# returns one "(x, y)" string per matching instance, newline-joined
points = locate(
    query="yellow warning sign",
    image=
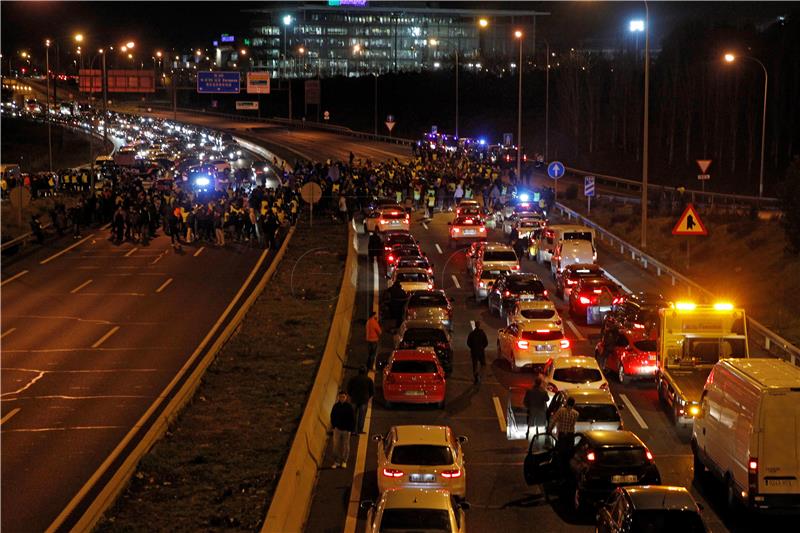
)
(689, 223)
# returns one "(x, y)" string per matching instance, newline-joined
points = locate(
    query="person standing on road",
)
(397, 301)
(343, 422)
(373, 337)
(361, 390)
(564, 420)
(477, 343)
(536, 402)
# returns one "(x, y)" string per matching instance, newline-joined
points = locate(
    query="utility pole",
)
(645, 126)
(376, 105)
(457, 91)
(547, 104)
(105, 103)
(49, 131)
(519, 108)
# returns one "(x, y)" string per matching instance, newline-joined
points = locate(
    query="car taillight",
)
(430, 286)
(604, 386)
(638, 326)
(450, 474)
(648, 455)
(584, 300)
(481, 285)
(392, 472)
(752, 477)
(597, 291)
(564, 344)
(456, 230)
(514, 267)
(430, 271)
(507, 294)
(752, 465)
(407, 216)
(383, 221)
(571, 282)
(482, 229)
(545, 292)
(390, 258)
(552, 388)
(522, 345)
(591, 457)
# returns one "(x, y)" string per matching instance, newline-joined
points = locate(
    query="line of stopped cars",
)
(677, 346)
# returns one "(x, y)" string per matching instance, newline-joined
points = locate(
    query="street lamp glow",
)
(356, 48)
(130, 56)
(158, 54)
(518, 34)
(301, 50)
(124, 48)
(636, 25)
(730, 58)
(198, 53)
(47, 43)
(483, 23)
(79, 37)
(433, 42)
(244, 52)
(130, 44)
(287, 20)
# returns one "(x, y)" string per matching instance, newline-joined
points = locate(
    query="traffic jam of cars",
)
(693, 356)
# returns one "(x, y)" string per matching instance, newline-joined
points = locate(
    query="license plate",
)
(422, 478)
(544, 348)
(780, 482)
(414, 393)
(469, 232)
(651, 358)
(624, 479)
(603, 309)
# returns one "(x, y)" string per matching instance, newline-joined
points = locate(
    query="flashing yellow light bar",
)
(685, 306)
(694, 410)
(723, 306)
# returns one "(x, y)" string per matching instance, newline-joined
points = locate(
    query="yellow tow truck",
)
(692, 338)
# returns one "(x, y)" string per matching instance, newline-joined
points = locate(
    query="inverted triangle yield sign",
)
(703, 164)
(689, 223)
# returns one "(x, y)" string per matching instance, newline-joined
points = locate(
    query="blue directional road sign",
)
(588, 186)
(555, 169)
(218, 82)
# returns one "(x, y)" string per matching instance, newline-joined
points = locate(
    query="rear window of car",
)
(465, 221)
(646, 520)
(428, 300)
(577, 236)
(577, 374)
(492, 274)
(549, 335)
(538, 314)
(420, 336)
(525, 285)
(597, 412)
(412, 263)
(393, 215)
(412, 276)
(426, 520)
(422, 454)
(645, 345)
(399, 238)
(414, 367)
(500, 256)
(619, 456)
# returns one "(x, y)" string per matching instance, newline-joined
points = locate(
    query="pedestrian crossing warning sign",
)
(689, 223)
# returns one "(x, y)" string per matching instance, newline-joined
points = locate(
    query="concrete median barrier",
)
(290, 504)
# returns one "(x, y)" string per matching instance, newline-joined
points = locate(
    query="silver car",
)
(432, 306)
(596, 409)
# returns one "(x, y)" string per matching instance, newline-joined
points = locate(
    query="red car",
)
(413, 376)
(592, 298)
(632, 355)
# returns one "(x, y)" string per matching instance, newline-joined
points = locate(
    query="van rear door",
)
(779, 446)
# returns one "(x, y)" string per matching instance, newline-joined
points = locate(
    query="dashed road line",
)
(131, 252)
(575, 330)
(455, 280)
(164, 285)
(65, 250)
(633, 411)
(501, 418)
(81, 286)
(105, 337)
(9, 415)
(15, 276)
(424, 225)
(199, 251)
(8, 331)
(439, 248)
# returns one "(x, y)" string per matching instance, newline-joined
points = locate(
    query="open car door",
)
(541, 464)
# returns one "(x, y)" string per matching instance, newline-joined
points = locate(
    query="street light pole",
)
(547, 104)
(456, 92)
(105, 102)
(518, 35)
(49, 132)
(376, 104)
(645, 126)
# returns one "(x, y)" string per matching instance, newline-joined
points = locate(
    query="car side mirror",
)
(377, 438)
(462, 439)
(621, 406)
(366, 505)
(449, 223)
(464, 505)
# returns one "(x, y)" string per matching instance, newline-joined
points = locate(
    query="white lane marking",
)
(455, 280)
(157, 259)
(8, 331)
(439, 248)
(79, 287)
(65, 250)
(9, 415)
(39, 375)
(351, 521)
(15, 276)
(164, 285)
(199, 251)
(633, 411)
(501, 418)
(424, 225)
(105, 337)
(575, 330)
(131, 252)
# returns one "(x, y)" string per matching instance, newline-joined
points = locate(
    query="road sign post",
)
(588, 192)
(311, 192)
(390, 123)
(555, 170)
(689, 224)
(703, 165)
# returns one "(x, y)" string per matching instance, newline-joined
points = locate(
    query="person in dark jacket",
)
(397, 301)
(375, 246)
(343, 422)
(361, 389)
(477, 343)
(536, 399)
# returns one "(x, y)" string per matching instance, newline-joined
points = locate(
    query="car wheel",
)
(731, 499)
(440, 405)
(623, 378)
(699, 467)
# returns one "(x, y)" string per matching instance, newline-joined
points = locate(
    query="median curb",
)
(291, 501)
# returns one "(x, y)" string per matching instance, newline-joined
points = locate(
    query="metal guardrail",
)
(762, 336)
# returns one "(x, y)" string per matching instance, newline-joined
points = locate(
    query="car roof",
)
(422, 434)
(410, 270)
(575, 361)
(406, 498)
(497, 246)
(536, 304)
(423, 323)
(420, 354)
(589, 395)
(613, 438)
(661, 497)
(533, 325)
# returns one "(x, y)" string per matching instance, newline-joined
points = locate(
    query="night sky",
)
(164, 25)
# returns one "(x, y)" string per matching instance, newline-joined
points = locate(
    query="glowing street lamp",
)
(483, 23)
(636, 26)
(78, 37)
(730, 58)
(130, 44)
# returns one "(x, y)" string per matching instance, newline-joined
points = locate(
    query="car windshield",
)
(433, 299)
(622, 456)
(525, 285)
(424, 336)
(393, 215)
(414, 367)
(415, 521)
(499, 256)
(538, 314)
(597, 412)
(412, 276)
(548, 335)
(577, 374)
(645, 345)
(651, 520)
(422, 454)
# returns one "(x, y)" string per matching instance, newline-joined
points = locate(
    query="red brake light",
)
(597, 291)
(468, 221)
(430, 285)
(383, 221)
(456, 230)
(390, 258)
(571, 282)
(392, 472)
(564, 344)
(584, 300)
(514, 267)
(752, 464)
(591, 457)
(649, 455)
(407, 216)
(545, 292)
(449, 474)
(522, 345)
(507, 294)
(482, 229)
(638, 326)
(430, 271)
(481, 285)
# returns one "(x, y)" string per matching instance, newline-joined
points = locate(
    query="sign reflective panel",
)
(258, 82)
(218, 82)
(689, 223)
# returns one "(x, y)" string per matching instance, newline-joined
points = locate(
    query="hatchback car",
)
(427, 333)
(572, 274)
(650, 508)
(541, 312)
(592, 298)
(465, 229)
(628, 354)
(393, 220)
(596, 409)
(396, 252)
(416, 510)
(413, 376)
(412, 279)
(525, 345)
(575, 373)
(510, 288)
(472, 255)
(429, 457)
(433, 305)
(483, 281)
(496, 256)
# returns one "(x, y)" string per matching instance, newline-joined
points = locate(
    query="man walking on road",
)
(343, 422)
(373, 337)
(361, 389)
(375, 246)
(564, 420)
(477, 343)
(536, 402)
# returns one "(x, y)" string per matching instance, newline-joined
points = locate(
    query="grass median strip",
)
(218, 465)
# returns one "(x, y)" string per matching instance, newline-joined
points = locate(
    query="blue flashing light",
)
(482, 141)
(524, 197)
(202, 181)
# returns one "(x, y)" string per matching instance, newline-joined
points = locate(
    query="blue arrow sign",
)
(218, 82)
(555, 169)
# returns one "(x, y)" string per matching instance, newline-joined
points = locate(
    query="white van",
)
(552, 235)
(747, 432)
(570, 253)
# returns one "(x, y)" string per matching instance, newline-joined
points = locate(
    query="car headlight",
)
(202, 181)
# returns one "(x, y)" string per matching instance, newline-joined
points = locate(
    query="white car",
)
(542, 313)
(576, 372)
(373, 218)
(416, 510)
(412, 279)
(524, 344)
(393, 220)
(572, 253)
(422, 456)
